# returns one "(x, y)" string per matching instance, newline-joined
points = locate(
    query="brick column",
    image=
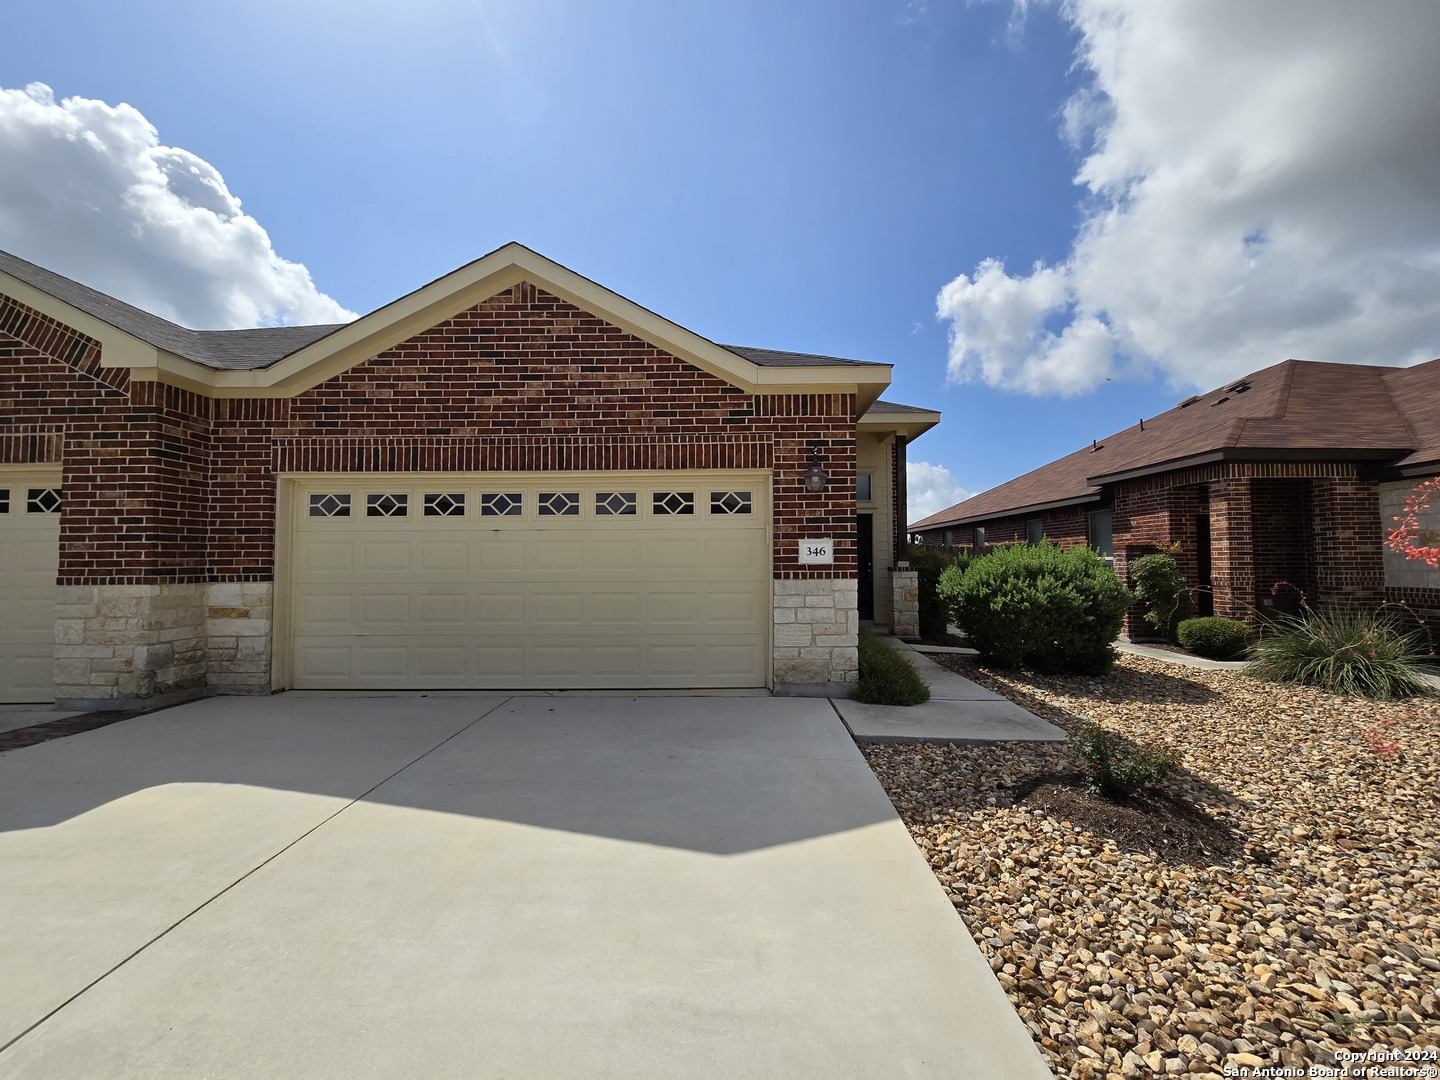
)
(1349, 564)
(1232, 566)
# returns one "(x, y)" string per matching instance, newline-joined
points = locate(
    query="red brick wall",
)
(1349, 568)
(168, 486)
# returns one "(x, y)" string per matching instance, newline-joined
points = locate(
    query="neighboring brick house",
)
(1292, 474)
(510, 478)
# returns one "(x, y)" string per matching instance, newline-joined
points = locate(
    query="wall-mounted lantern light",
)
(815, 476)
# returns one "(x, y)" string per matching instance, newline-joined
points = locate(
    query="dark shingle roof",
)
(258, 348)
(895, 406)
(1296, 409)
(772, 358)
(214, 348)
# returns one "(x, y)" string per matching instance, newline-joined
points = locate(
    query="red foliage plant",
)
(1406, 538)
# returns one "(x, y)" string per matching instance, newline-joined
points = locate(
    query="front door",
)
(1204, 598)
(865, 559)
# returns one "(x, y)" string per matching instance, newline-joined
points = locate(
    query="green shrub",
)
(1213, 636)
(1345, 651)
(929, 564)
(1160, 586)
(886, 677)
(1039, 606)
(1116, 766)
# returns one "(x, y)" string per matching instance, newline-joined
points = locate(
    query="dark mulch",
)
(58, 729)
(1162, 822)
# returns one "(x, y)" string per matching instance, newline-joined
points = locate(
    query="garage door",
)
(29, 560)
(567, 581)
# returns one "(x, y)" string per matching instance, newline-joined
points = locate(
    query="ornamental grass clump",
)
(1039, 606)
(886, 677)
(1114, 766)
(1345, 651)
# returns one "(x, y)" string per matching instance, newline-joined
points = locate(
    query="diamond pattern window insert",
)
(614, 503)
(671, 503)
(329, 505)
(387, 505)
(4, 500)
(445, 505)
(559, 504)
(730, 502)
(43, 501)
(500, 504)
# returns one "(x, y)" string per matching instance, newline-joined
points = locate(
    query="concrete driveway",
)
(307, 887)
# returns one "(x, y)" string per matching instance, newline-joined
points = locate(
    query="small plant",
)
(1115, 766)
(1213, 636)
(886, 677)
(1409, 539)
(1376, 740)
(1160, 586)
(1039, 606)
(1345, 651)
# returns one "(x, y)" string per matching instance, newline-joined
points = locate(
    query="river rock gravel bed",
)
(1310, 929)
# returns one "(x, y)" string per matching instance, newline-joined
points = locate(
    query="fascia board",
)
(910, 424)
(117, 348)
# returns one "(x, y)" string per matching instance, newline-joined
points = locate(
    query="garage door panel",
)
(445, 661)
(380, 612)
(327, 558)
(385, 557)
(442, 556)
(611, 554)
(614, 610)
(505, 554)
(500, 610)
(507, 601)
(450, 612)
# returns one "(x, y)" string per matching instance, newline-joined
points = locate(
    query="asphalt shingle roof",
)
(260, 347)
(1295, 409)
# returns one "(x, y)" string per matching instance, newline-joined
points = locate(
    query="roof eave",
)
(910, 423)
(1018, 511)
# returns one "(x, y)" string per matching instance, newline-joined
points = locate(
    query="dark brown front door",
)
(865, 557)
(1204, 598)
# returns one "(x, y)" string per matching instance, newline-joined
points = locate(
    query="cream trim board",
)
(432, 304)
(117, 348)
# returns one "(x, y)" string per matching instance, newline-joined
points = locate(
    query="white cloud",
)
(87, 190)
(930, 489)
(1262, 182)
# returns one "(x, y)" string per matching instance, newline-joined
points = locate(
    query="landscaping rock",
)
(1289, 918)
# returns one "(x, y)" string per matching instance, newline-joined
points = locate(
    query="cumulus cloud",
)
(931, 489)
(87, 190)
(1260, 181)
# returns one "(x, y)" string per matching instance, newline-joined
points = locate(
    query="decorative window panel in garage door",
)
(29, 558)
(549, 581)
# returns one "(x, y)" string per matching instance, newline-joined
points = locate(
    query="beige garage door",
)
(29, 559)
(594, 580)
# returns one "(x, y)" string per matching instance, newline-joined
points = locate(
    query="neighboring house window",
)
(1100, 537)
(949, 538)
(979, 539)
(862, 487)
(1035, 530)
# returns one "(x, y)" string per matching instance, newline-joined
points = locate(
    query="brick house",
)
(1292, 474)
(509, 478)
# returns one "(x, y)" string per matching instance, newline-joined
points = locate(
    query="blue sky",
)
(797, 175)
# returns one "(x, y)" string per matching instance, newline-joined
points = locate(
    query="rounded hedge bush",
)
(1213, 636)
(1039, 606)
